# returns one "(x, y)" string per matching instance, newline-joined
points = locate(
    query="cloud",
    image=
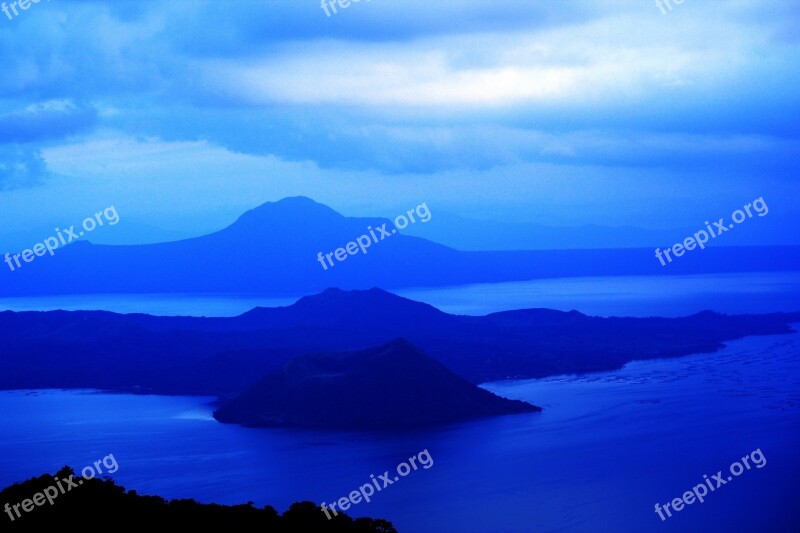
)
(621, 59)
(522, 70)
(20, 167)
(23, 133)
(51, 119)
(417, 96)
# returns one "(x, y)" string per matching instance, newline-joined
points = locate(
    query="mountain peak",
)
(392, 386)
(294, 208)
(375, 300)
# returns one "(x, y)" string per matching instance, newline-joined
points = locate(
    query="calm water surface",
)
(606, 448)
(601, 296)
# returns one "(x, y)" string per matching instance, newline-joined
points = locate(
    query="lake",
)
(759, 292)
(605, 449)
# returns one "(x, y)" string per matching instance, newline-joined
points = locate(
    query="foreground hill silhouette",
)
(209, 356)
(102, 505)
(272, 250)
(392, 386)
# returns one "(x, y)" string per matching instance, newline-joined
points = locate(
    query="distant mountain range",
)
(389, 387)
(464, 233)
(453, 230)
(225, 356)
(272, 250)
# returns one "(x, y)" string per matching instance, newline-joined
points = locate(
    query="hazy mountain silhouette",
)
(388, 387)
(194, 355)
(464, 233)
(273, 250)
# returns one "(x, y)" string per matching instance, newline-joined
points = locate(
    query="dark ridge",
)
(225, 356)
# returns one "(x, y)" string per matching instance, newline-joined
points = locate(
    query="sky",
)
(184, 114)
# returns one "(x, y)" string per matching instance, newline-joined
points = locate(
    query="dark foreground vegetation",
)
(102, 505)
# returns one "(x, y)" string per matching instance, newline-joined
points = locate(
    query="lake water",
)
(759, 292)
(606, 448)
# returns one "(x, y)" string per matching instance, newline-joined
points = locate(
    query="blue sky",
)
(183, 114)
